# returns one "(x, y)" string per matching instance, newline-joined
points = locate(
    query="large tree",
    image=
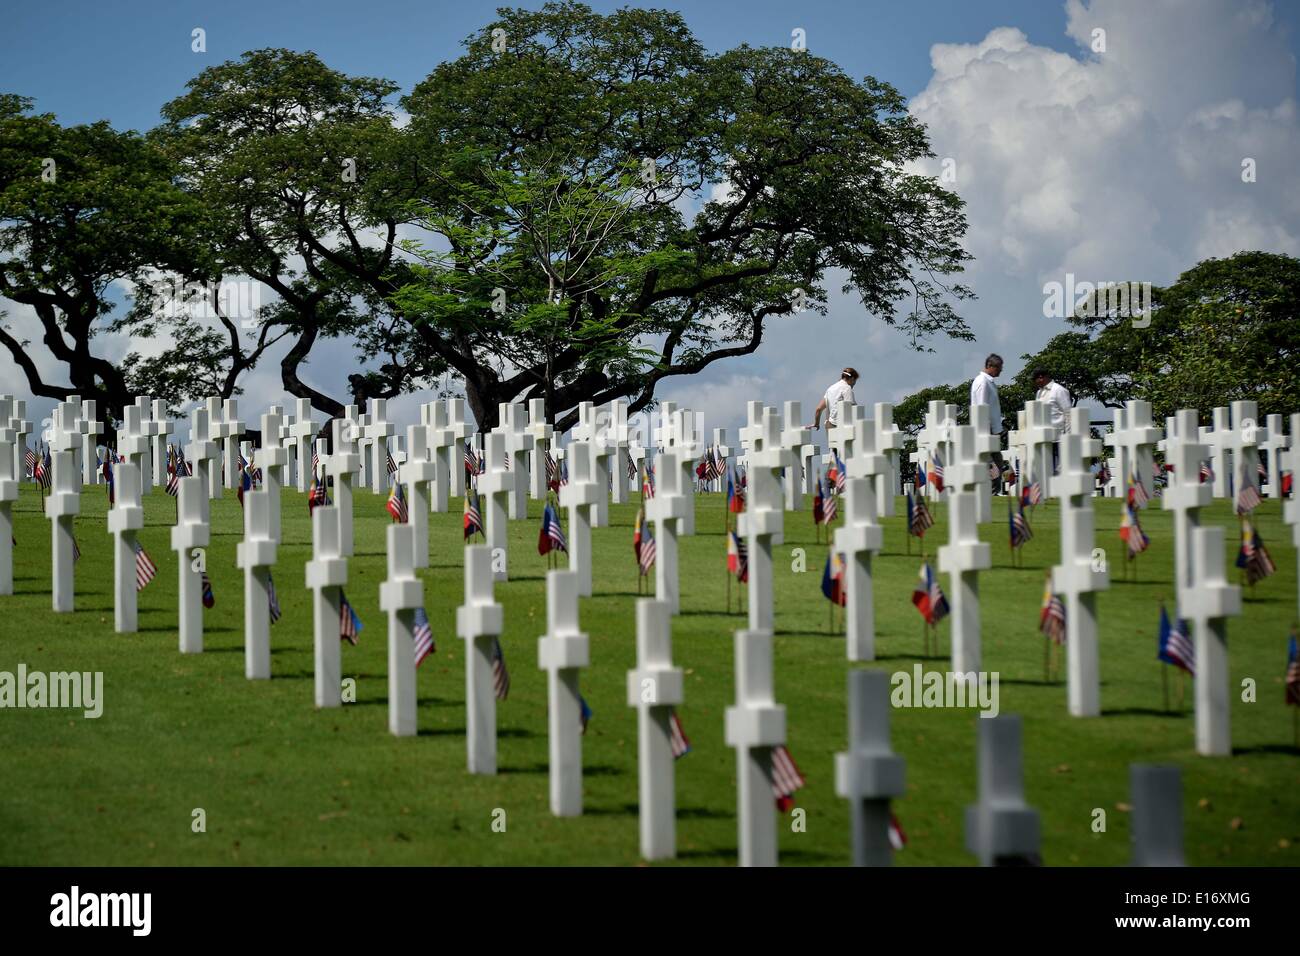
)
(83, 209)
(807, 170)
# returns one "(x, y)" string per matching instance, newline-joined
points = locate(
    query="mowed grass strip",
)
(282, 783)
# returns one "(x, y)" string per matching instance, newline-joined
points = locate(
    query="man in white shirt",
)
(840, 391)
(1057, 397)
(984, 391)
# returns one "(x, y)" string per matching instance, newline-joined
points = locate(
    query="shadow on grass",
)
(599, 770)
(1141, 712)
(626, 810)
(720, 853)
(517, 732)
(240, 648)
(419, 702)
(704, 813)
(1290, 750)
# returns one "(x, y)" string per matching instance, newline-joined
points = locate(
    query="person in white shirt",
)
(984, 391)
(1057, 397)
(840, 391)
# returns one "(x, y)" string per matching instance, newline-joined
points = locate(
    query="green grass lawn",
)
(282, 783)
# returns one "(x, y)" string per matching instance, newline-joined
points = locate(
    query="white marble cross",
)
(132, 442)
(343, 464)
(326, 573)
(720, 446)
(869, 774)
(1001, 828)
(763, 520)
(616, 438)
(255, 555)
(641, 459)
(288, 444)
(663, 434)
(562, 652)
(811, 456)
(1291, 507)
(986, 443)
(519, 446)
(303, 431)
(378, 432)
(654, 688)
(190, 538)
(931, 439)
(667, 510)
(1185, 495)
(858, 540)
(965, 555)
(580, 496)
(755, 724)
(1136, 440)
(438, 440)
(151, 430)
(1078, 578)
(543, 434)
(9, 476)
(201, 454)
(590, 433)
(1018, 450)
(496, 485)
(1040, 435)
(460, 430)
(417, 474)
(1206, 604)
(22, 428)
(399, 596)
(74, 424)
(125, 519)
(889, 442)
(273, 459)
(1273, 444)
(162, 428)
(232, 429)
(63, 503)
(839, 437)
(1156, 794)
(480, 621)
(751, 434)
(1216, 437)
(91, 429)
(687, 441)
(1241, 441)
(794, 436)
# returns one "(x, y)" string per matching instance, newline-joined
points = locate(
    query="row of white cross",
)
(756, 724)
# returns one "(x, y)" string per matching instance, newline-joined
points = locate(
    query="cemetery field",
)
(282, 783)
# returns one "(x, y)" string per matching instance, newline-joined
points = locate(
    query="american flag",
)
(648, 482)
(472, 465)
(1175, 646)
(1051, 619)
(631, 469)
(349, 623)
(1131, 532)
(1103, 474)
(183, 468)
(1033, 492)
(841, 474)
(41, 473)
(272, 599)
(423, 635)
(928, 597)
(173, 487)
(392, 465)
(208, 596)
(29, 459)
(1292, 673)
(1247, 495)
(646, 558)
(315, 461)
(473, 522)
(681, 743)
(397, 503)
(918, 515)
(786, 778)
(737, 557)
(1020, 530)
(564, 472)
(936, 470)
(145, 569)
(1253, 557)
(897, 838)
(317, 496)
(551, 537)
(829, 506)
(1207, 473)
(500, 675)
(245, 484)
(1137, 492)
(552, 472)
(584, 713)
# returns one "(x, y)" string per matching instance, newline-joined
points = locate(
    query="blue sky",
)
(1108, 166)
